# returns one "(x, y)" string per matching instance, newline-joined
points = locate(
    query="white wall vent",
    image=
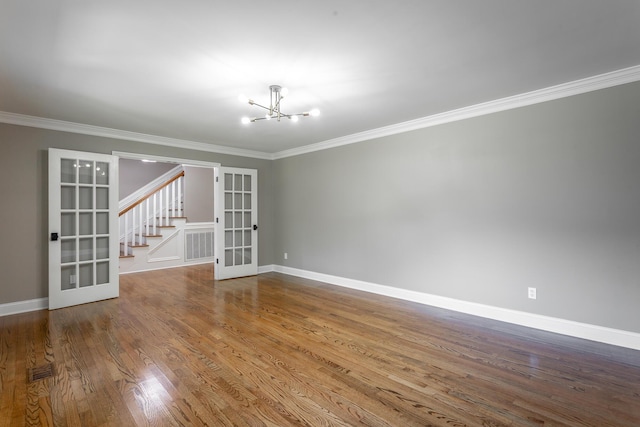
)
(198, 245)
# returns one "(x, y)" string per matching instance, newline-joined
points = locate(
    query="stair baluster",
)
(150, 211)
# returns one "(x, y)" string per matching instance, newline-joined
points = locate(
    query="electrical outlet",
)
(286, 255)
(532, 293)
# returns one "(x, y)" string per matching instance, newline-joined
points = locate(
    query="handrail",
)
(150, 193)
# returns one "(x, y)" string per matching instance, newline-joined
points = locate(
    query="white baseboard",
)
(23, 306)
(266, 268)
(551, 324)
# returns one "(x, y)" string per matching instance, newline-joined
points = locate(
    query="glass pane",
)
(102, 247)
(102, 273)
(68, 247)
(86, 198)
(68, 277)
(237, 256)
(247, 255)
(86, 223)
(228, 257)
(67, 197)
(228, 184)
(102, 198)
(237, 201)
(228, 239)
(102, 173)
(86, 275)
(247, 183)
(237, 223)
(228, 199)
(247, 238)
(68, 224)
(237, 182)
(238, 238)
(247, 201)
(86, 249)
(228, 220)
(102, 223)
(85, 172)
(67, 170)
(247, 219)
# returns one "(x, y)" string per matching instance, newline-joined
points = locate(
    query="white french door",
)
(237, 223)
(83, 227)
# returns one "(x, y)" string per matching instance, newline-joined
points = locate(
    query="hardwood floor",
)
(178, 348)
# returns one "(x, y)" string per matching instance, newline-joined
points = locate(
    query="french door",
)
(237, 223)
(83, 227)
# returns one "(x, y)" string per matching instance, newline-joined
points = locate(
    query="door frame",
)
(188, 162)
(177, 160)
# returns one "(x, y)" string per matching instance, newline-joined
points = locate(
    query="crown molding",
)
(63, 126)
(589, 84)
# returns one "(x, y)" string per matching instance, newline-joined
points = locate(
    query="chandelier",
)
(277, 94)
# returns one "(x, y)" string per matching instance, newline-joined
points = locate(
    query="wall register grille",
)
(198, 245)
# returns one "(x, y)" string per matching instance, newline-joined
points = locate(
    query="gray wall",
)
(135, 174)
(198, 194)
(478, 210)
(23, 191)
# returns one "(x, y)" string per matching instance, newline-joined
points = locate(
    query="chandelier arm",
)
(261, 106)
(277, 106)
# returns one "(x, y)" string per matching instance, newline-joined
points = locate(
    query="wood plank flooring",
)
(179, 349)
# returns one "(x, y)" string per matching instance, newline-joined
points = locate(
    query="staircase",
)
(155, 234)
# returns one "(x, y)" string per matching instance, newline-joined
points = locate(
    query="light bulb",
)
(267, 116)
(294, 118)
(314, 113)
(245, 120)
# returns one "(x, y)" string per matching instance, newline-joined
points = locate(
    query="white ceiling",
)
(175, 69)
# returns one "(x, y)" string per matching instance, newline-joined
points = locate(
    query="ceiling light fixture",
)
(277, 94)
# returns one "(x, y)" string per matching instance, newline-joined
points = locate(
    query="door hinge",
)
(216, 220)
(217, 262)
(216, 179)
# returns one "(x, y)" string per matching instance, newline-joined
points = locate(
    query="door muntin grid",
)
(84, 223)
(238, 217)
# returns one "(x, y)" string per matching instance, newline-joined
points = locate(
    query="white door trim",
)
(188, 162)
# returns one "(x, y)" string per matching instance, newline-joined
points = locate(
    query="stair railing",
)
(154, 209)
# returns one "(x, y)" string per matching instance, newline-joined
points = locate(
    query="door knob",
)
(255, 227)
